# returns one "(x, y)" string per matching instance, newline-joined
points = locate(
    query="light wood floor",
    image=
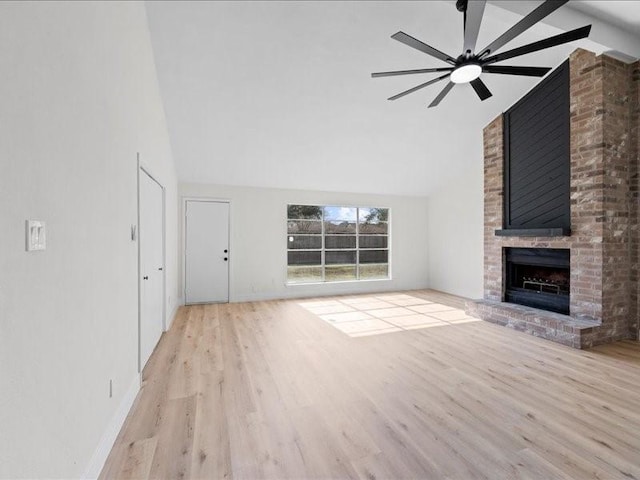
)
(269, 390)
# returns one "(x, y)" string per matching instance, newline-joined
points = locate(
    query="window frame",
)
(323, 250)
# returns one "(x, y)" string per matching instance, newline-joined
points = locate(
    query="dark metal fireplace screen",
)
(538, 277)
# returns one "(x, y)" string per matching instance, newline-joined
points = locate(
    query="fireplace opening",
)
(538, 277)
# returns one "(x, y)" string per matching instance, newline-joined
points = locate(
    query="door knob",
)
(145, 278)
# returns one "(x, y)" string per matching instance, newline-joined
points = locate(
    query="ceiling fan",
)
(471, 63)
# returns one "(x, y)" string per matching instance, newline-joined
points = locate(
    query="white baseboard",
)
(111, 432)
(306, 291)
(172, 315)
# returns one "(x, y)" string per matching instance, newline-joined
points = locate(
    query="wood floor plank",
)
(211, 454)
(269, 390)
(172, 458)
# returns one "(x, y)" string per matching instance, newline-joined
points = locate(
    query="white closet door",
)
(151, 266)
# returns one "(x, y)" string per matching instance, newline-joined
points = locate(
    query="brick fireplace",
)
(603, 245)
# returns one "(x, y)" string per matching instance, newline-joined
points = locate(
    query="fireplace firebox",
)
(538, 277)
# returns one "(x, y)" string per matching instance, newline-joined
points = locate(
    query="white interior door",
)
(206, 252)
(151, 266)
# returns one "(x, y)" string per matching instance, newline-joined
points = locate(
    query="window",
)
(335, 243)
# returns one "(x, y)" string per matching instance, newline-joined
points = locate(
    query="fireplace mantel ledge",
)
(534, 232)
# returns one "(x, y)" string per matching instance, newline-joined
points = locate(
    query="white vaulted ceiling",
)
(279, 94)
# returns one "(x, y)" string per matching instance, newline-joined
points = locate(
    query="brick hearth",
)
(604, 97)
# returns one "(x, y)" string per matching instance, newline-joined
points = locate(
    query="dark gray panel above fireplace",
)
(537, 160)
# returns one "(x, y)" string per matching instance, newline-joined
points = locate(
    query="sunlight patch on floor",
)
(360, 316)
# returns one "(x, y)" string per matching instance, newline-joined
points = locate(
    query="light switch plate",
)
(36, 235)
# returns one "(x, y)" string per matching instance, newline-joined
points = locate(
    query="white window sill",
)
(287, 284)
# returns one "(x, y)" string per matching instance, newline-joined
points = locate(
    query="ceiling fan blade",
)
(423, 47)
(481, 89)
(472, 20)
(526, 71)
(441, 95)
(409, 72)
(528, 21)
(418, 87)
(554, 41)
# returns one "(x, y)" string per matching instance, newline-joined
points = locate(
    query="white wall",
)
(258, 240)
(79, 99)
(456, 223)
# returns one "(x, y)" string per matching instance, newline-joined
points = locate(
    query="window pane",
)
(304, 226)
(304, 258)
(374, 256)
(337, 226)
(373, 241)
(307, 242)
(340, 214)
(340, 257)
(374, 270)
(302, 274)
(341, 272)
(381, 227)
(340, 241)
(322, 244)
(373, 215)
(304, 211)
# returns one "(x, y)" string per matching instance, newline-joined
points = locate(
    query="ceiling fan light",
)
(466, 73)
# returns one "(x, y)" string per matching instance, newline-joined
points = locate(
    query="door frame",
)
(143, 169)
(184, 201)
